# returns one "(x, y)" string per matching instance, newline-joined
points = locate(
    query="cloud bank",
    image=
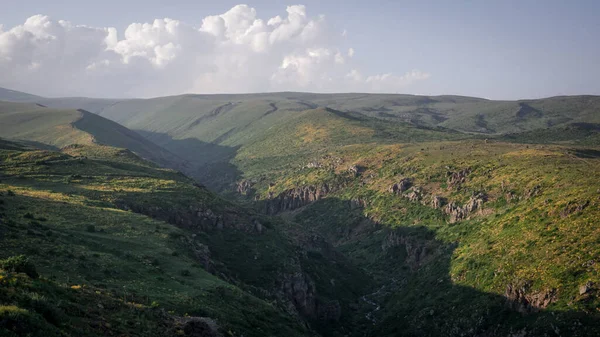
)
(232, 52)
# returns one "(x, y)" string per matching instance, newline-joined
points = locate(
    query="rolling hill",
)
(61, 127)
(338, 214)
(210, 132)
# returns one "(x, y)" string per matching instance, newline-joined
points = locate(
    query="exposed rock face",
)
(201, 253)
(437, 201)
(416, 250)
(586, 288)
(401, 186)
(244, 186)
(295, 198)
(300, 289)
(521, 299)
(415, 194)
(458, 213)
(456, 179)
(193, 217)
(355, 170)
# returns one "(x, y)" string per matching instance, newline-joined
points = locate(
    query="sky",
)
(496, 49)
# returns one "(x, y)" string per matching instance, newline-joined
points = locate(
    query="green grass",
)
(62, 213)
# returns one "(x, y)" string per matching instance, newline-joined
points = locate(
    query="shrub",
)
(90, 228)
(19, 264)
(28, 216)
(186, 272)
(10, 193)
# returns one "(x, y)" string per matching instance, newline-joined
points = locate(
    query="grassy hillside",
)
(216, 133)
(154, 249)
(521, 257)
(376, 215)
(61, 127)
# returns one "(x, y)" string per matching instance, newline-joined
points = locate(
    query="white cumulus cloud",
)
(236, 51)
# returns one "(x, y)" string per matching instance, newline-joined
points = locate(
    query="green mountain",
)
(209, 131)
(124, 247)
(61, 127)
(338, 215)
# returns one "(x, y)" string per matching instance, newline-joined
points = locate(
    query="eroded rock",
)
(522, 299)
(401, 186)
(244, 187)
(458, 213)
(295, 198)
(456, 179)
(437, 201)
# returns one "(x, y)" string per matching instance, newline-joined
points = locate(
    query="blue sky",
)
(493, 49)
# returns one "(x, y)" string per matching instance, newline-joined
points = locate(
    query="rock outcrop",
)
(415, 194)
(522, 299)
(295, 198)
(401, 186)
(438, 202)
(195, 217)
(356, 170)
(456, 179)
(586, 288)
(301, 291)
(416, 250)
(244, 187)
(458, 213)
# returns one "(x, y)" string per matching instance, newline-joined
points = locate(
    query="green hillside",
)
(338, 214)
(145, 250)
(61, 127)
(487, 237)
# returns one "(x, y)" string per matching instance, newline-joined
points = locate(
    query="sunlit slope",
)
(61, 127)
(460, 113)
(488, 237)
(66, 215)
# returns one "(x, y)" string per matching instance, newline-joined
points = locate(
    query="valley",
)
(299, 214)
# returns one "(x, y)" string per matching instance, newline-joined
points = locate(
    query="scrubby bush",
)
(28, 216)
(90, 228)
(186, 272)
(19, 264)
